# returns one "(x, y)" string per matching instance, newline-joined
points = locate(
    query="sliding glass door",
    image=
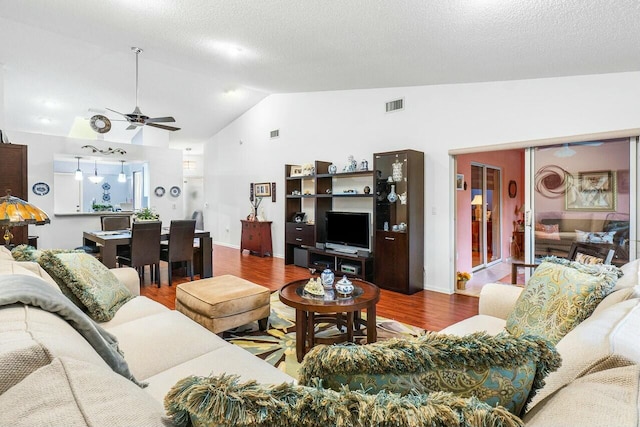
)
(485, 215)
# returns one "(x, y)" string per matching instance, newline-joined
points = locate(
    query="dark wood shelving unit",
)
(399, 255)
(322, 202)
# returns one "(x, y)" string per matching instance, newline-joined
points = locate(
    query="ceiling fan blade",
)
(165, 127)
(131, 127)
(160, 119)
(117, 112)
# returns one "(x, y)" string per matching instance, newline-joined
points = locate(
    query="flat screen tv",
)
(348, 232)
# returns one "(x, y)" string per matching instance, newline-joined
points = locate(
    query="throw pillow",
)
(29, 253)
(547, 231)
(25, 253)
(85, 279)
(559, 295)
(595, 236)
(588, 259)
(499, 370)
(223, 400)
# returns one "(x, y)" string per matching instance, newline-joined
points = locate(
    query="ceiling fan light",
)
(564, 151)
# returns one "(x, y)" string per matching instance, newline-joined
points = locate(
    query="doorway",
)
(486, 248)
(497, 177)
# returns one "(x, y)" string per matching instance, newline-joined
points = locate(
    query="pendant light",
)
(95, 178)
(78, 175)
(121, 176)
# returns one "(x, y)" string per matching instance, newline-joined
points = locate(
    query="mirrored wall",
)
(88, 185)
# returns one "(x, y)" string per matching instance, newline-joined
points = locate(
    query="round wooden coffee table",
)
(311, 310)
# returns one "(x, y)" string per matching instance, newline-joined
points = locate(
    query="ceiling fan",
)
(136, 119)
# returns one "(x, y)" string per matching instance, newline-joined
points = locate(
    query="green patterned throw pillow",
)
(25, 253)
(499, 370)
(225, 401)
(559, 296)
(87, 282)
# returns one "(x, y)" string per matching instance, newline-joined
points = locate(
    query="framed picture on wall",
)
(591, 191)
(459, 181)
(262, 189)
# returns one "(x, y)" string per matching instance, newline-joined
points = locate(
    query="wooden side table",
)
(256, 237)
(310, 311)
(518, 243)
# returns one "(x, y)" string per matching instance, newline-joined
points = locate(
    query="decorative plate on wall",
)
(174, 191)
(159, 191)
(40, 188)
(106, 186)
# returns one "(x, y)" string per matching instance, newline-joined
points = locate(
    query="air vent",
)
(275, 133)
(396, 105)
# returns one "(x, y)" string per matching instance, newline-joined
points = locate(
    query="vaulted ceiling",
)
(206, 62)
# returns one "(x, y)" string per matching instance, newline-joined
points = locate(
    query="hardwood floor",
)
(428, 310)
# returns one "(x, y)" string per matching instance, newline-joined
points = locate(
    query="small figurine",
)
(352, 165)
(364, 165)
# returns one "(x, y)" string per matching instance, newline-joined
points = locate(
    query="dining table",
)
(108, 242)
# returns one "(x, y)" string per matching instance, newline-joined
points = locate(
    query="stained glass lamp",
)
(16, 212)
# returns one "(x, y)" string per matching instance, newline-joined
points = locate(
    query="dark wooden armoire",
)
(13, 176)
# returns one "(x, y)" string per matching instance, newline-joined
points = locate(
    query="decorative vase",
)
(403, 198)
(397, 171)
(344, 287)
(328, 278)
(392, 196)
(462, 284)
(332, 169)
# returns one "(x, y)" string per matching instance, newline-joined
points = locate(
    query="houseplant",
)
(97, 207)
(146, 214)
(462, 278)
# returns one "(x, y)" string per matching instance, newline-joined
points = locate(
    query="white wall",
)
(66, 231)
(331, 125)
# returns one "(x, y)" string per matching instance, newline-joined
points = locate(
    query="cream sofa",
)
(598, 383)
(50, 375)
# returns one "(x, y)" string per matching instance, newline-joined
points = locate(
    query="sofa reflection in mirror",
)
(555, 232)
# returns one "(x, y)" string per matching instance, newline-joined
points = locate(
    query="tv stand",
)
(333, 259)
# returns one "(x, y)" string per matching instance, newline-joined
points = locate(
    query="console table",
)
(256, 237)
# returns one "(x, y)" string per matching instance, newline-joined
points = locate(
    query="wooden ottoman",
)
(223, 302)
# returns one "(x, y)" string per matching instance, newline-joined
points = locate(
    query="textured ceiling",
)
(208, 61)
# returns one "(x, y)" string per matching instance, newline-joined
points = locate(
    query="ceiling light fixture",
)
(78, 175)
(121, 176)
(95, 178)
(564, 151)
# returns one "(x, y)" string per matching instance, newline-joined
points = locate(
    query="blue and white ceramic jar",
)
(327, 278)
(344, 286)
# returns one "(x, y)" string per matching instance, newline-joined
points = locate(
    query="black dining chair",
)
(145, 249)
(112, 223)
(180, 246)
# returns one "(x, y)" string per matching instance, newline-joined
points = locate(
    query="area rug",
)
(277, 345)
